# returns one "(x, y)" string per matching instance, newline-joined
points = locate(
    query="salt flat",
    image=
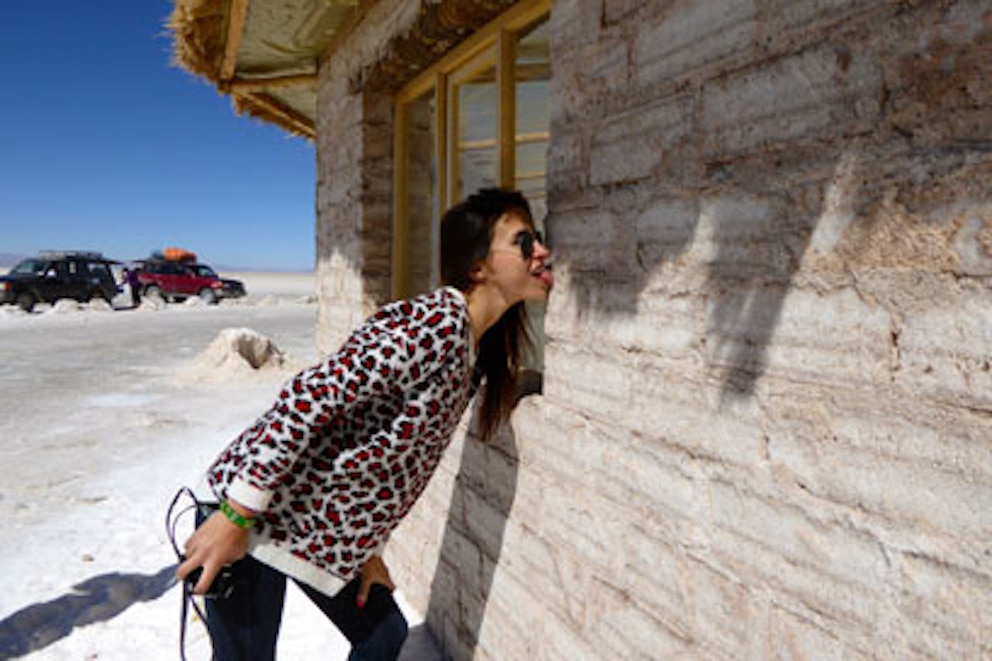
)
(105, 416)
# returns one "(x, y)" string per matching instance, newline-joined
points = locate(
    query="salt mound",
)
(66, 305)
(236, 352)
(70, 305)
(153, 297)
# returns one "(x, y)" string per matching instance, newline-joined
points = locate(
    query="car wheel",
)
(100, 295)
(25, 301)
(208, 296)
(154, 291)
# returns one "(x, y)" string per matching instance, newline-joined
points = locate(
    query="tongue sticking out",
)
(547, 278)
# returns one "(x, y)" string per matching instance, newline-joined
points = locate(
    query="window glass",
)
(533, 116)
(30, 266)
(476, 104)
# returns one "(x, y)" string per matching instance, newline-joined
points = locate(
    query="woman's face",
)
(517, 275)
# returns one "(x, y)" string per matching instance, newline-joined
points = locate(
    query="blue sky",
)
(105, 145)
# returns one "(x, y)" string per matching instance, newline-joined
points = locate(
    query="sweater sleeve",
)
(379, 357)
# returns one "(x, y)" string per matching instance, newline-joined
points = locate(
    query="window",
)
(479, 117)
(30, 266)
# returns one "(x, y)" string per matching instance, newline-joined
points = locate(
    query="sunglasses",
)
(526, 242)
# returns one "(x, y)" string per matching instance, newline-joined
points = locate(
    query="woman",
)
(312, 490)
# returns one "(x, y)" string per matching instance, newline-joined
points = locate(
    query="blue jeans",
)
(245, 625)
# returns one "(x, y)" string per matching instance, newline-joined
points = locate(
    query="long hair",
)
(466, 235)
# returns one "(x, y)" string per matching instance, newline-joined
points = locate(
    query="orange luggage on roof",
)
(179, 255)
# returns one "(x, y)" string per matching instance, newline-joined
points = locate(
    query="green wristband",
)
(243, 522)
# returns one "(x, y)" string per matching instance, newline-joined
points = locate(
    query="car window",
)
(205, 271)
(162, 268)
(30, 266)
(100, 270)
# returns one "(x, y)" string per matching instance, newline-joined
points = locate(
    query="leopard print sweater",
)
(351, 443)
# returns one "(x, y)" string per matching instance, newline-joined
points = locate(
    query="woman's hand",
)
(215, 543)
(374, 571)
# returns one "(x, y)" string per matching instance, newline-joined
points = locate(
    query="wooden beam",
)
(506, 59)
(401, 203)
(441, 183)
(238, 17)
(288, 117)
(249, 86)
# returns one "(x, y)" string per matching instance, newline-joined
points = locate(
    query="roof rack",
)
(60, 254)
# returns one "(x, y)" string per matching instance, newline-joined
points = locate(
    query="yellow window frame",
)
(494, 45)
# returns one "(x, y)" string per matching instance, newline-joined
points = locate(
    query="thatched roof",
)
(264, 54)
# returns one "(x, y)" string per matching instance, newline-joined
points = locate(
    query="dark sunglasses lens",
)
(526, 241)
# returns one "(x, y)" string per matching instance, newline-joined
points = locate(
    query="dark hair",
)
(466, 235)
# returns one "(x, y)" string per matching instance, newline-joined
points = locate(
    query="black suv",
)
(53, 275)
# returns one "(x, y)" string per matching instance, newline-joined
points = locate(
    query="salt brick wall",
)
(354, 180)
(766, 430)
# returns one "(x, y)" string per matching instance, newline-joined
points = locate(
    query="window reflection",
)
(476, 108)
(533, 116)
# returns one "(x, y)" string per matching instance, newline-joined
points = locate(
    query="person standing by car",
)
(313, 489)
(134, 286)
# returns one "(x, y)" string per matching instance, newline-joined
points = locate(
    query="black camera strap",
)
(188, 601)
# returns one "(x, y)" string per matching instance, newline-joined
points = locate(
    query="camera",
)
(222, 586)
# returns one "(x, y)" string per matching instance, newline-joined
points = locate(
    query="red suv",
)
(177, 281)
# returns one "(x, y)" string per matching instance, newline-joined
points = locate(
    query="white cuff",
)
(244, 494)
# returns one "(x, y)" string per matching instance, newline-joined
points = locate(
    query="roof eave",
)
(209, 42)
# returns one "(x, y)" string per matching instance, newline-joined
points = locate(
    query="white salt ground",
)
(107, 413)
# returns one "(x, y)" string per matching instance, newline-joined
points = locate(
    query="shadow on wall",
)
(735, 249)
(715, 189)
(97, 599)
(757, 254)
(481, 501)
